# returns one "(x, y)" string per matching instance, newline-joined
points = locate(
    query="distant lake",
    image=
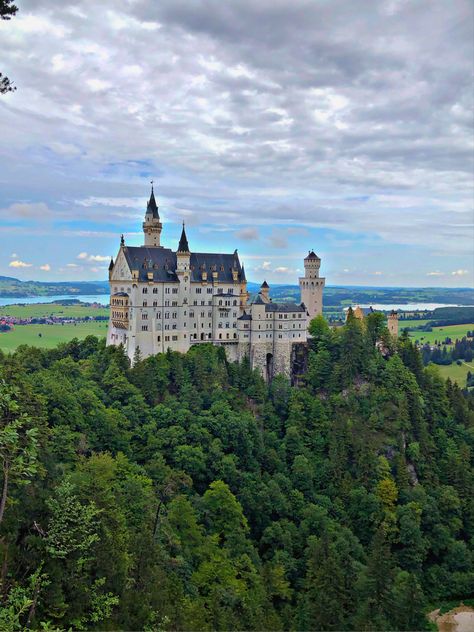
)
(407, 307)
(103, 299)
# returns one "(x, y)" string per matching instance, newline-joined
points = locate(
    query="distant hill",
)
(14, 288)
(335, 297)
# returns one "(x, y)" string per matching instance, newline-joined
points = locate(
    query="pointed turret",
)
(152, 206)
(264, 292)
(111, 264)
(152, 225)
(183, 245)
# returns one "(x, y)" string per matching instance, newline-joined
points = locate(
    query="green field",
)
(440, 333)
(42, 310)
(51, 335)
(455, 372)
(409, 323)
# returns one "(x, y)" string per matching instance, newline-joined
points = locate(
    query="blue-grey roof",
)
(162, 263)
(284, 307)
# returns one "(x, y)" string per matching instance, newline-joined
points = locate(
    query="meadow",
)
(43, 310)
(440, 333)
(51, 335)
(456, 373)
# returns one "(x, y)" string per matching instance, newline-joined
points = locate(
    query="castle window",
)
(167, 338)
(175, 315)
(145, 316)
(202, 314)
(198, 290)
(191, 314)
(144, 327)
(155, 290)
(158, 315)
(234, 303)
(158, 338)
(175, 290)
(231, 291)
(220, 336)
(174, 303)
(155, 303)
(167, 327)
(167, 290)
(167, 303)
(195, 302)
(220, 290)
(144, 290)
(209, 290)
(167, 314)
(173, 327)
(145, 303)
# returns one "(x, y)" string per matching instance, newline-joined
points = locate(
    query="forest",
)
(184, 493)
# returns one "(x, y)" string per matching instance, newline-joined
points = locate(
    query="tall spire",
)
(152, 207)
(183, 242)
(152, 225)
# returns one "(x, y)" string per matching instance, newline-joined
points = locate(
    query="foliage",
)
(182, 493)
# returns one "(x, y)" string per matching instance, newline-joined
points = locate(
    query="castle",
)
(161, 299)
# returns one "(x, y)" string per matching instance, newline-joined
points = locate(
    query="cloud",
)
(72, 265)
(281, 270)
(38, 210)
(19, 264)
(247, 234)
(14, 255)
(278, 240)
(248, 114)
(460, 272)
(46, 267)
(98, 258)
(435, 273)
(86, 257)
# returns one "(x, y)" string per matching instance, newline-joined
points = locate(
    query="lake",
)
(408, 307)
(103, 299)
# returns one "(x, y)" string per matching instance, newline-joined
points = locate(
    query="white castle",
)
(161, 299)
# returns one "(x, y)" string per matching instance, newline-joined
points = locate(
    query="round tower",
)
(312, 285)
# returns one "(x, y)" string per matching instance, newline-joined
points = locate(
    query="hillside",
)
(185, 494)
(14, 288)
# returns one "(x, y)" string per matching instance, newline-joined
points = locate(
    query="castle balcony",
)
(119, 310)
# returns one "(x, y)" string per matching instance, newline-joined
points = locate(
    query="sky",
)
(270, 126)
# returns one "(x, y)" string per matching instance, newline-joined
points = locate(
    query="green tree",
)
(18, 444)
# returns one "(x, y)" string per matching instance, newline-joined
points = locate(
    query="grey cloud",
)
(233, 100)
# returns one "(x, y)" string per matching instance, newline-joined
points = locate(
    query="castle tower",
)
(264, 292)
(392, 323)
(183, 254)
(152, 225)
(312, 285)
